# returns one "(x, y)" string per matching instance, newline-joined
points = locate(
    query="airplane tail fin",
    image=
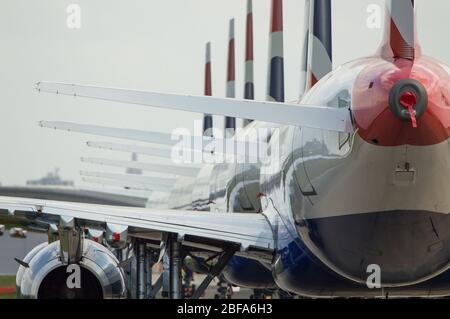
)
(230, 122)
(400, 32)
(275, 91)
(207, 118)
(320, 58)
(305, 50)
(249, 87)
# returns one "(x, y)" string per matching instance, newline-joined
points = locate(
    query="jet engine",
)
(43, 274)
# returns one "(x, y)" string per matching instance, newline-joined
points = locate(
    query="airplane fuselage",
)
(340, 202)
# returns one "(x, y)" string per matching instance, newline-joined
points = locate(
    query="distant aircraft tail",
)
(275, 89)
(319, 59)
(207, 118)
(230, 122)
(249, 87)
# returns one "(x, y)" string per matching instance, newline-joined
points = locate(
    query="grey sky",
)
(149, 45)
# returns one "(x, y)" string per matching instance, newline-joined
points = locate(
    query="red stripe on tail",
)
(249, 38)
(277, 15)
(231, 66)
(208, 86)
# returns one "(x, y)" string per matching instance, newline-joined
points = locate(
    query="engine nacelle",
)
(97, 275)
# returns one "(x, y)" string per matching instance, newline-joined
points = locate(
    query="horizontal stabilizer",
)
(185, 143)
(144, 150)
(129, 185)
(320, 117)
(123, 133)
(157, 168)
(149, 180)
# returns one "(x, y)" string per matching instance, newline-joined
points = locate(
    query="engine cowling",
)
(97, 275)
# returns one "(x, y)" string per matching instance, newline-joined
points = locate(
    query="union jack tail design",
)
(230, 122)
(249, 87)
(400, 35)
(275, 90)
(207, 118)
(319, 57)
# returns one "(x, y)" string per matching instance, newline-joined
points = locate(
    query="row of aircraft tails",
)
(349, 199)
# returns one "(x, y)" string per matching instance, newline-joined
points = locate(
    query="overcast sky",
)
(149, 45)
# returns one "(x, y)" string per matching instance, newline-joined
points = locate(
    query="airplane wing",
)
(251, 232)
(120, 197)
(321, 117)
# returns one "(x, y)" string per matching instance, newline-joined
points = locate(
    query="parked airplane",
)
(361, 180)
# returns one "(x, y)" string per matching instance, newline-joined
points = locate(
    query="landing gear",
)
(224, 290)
(216, 270)
(140, 253)
(148, 266)
(139, 271)
(174, 253)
